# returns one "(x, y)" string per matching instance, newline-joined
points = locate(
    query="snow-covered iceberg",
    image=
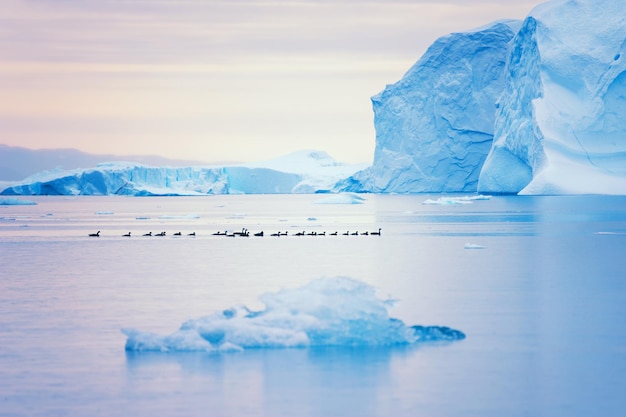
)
(561, 121)
(300, 172)
(326, 312)
(434, 127)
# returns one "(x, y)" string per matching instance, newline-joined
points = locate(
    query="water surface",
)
(542, 305)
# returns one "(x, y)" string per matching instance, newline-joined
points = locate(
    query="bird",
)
(160, 234)
(354, 234)
(321, 234)
(283, 234)
(148, 234)
(259, 234)
(177, 234)
(126, 235)
(312, 234)
(376, 233)
(346, 234)
(275, 234)
(300, 233)
(191, 234)
(365, 233)
(333, 234)
(97, 234)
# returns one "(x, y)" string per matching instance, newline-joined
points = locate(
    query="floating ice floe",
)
(343, 198)
(326, 312)
(473, 246)
(11, 201)
(450, 201)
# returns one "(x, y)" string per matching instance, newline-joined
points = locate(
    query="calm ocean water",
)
(542, 303)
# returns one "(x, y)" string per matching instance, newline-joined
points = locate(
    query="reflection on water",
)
(303, 382)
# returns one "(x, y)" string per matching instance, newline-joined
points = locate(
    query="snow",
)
(300, 172)
(335, 311)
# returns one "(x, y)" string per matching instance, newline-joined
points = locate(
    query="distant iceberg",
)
(16, 202)
(300, 172)
(326, 312)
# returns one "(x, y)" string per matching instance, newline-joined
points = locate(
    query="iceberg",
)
(561, 120)
(434, 127)
(300, 172)
(337, 311)
(531, 107)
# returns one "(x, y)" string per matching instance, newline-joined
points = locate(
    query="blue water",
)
(542, 305)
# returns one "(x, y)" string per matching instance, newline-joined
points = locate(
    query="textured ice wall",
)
(434, 127)
(561, 121)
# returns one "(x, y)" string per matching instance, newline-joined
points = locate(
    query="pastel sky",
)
(214, 80)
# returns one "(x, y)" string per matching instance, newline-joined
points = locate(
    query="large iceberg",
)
(537, 107)
(434, 127)
(299, 172)
(561, 120)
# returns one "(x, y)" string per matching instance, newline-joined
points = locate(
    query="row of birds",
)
(245, 233)
(97, 234)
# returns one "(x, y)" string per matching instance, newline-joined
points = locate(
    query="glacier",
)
(300, 172)
(434, 127)
(334, 311)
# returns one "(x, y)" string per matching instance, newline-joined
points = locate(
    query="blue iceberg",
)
(326, 312)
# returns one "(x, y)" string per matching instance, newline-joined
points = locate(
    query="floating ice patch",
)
(344, 198)
(473, 246)
(176, 217)
(11, 201)
(450, 201)
(326, 312)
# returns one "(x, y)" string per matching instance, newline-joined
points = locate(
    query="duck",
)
(376, 233)
(365, 233)
(177, 234)
(354, 234)
(321, 234)
(312, 234)
(191, 234)
(283, 234)
(160, 234)
(148, 234)
(300, 233)
(126, 235)
(275, 234)
(97, 234)
(332, 234)
(219, 233)
(259, 234)
(346, 234)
